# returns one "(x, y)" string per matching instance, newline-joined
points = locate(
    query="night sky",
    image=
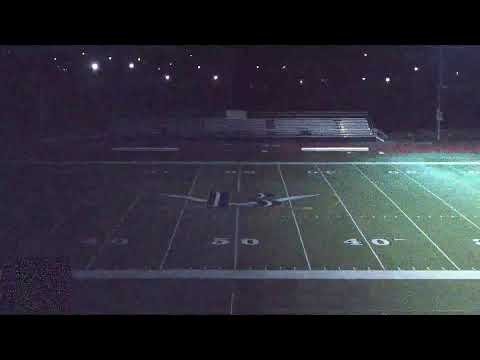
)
(59, 87)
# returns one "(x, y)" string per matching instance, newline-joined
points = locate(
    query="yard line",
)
(438, 197)
(179, 219)
(232, 299)
(133, 274)
(237, 216)
(351, 217)
(114, 229)
(408, 217)
(294, 217)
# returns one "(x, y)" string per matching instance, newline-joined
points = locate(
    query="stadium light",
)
(215, 77)
(167, 77)
(365, 54)
(300, 81)
(83, 53)
(158, 68)
(190, 55)
(284, 67)
(364, 78)
(54, 59)
(131, 65)
(258, 67)
(94, 66)
(171, 64)
(110, 58)
(198, 67)
(387, 79)
(139, 59)
(415, 68)
(457, 73)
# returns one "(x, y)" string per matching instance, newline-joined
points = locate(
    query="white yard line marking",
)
(266, 163)
(145, 149)
(408, 217)
(114, 229)
(232, 299)
(351, 218)
(237, 216)
(294, 218)
(335, 149)
(180, 216)
(439, 198)
(278, 274)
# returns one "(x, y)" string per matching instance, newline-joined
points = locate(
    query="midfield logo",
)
(222, 199)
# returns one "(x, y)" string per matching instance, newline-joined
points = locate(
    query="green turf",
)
(52, 210)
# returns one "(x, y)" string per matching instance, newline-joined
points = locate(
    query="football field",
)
(254, 237)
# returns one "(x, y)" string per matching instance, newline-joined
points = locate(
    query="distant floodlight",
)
(198, 67)
(215, 77)
(139, 59)
(83, 53)
(457, 73)
(110, 58)
(131, 65)
(171, 64)
(364, 78)
(300, 81)
(258, 67)
(284, 67)
(158, 68)
(365, 54)
(190, 55)
(387, 79)
(415, 68)
(94, 66)
(167, 77)
(54, 59)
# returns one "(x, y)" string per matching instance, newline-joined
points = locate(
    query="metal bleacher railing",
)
(292, 124)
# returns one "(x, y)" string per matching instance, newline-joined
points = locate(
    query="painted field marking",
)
(179, 219)
(237, 216)
(265, 163)
(278, 274)
(408, 217)
(443, 201)
(348, 149)
(351, 218)
(114, 230)
(145, 149)
(232, 299)
(294, 218)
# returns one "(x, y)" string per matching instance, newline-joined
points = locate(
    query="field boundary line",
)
(438, 197)
(179, 219)
(294, 218)
(351, 217)
(133, 274)
(408, 217)
(266, 163)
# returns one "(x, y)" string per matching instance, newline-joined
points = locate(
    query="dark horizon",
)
(53, 87)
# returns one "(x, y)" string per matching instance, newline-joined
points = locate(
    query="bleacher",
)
(292, 124)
